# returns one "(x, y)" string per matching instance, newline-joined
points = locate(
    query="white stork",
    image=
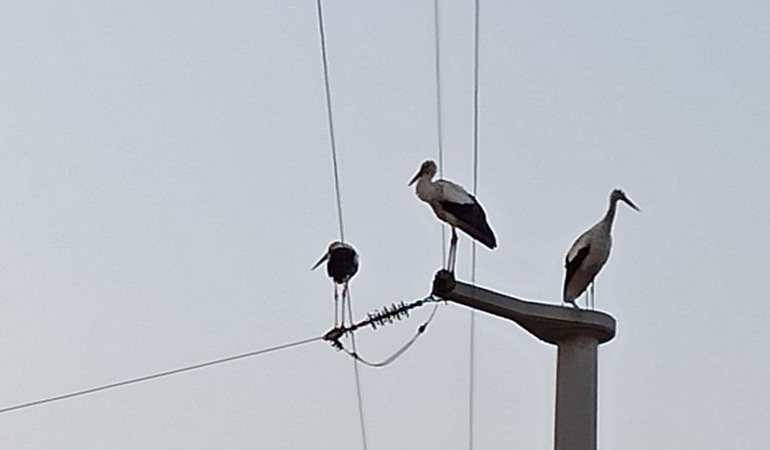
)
(342, 264)
(455, 206)
(590, 252)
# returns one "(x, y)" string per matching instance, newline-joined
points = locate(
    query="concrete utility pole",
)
(576, 333)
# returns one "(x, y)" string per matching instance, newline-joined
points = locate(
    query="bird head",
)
(333, 246)
(325, 255)
(618, 194)
(428, 168)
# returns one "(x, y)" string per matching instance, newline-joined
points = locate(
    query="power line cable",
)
(157, 375)
(359, 394)
(330, 117)
(475, 192)
(332, 140)
(439, 132)
(397, 354)
(324, 58)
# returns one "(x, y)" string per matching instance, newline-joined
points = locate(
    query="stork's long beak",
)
(630, 203)
(321, 261)
(416, 177)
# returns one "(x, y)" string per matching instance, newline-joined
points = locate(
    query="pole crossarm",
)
(576, 332)
(549, 323)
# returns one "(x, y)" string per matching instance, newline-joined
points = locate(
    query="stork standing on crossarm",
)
(341, 264)
(590, 252)
(455, 206)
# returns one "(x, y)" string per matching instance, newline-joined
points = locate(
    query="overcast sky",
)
(166, 185)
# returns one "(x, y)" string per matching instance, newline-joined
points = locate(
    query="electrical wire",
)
(397, 354)
(475, 192)
(330, 117)
(439, 133)
(324, 58)
(157, 375)
(361, 417)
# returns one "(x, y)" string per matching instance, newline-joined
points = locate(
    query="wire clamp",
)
(334, 335)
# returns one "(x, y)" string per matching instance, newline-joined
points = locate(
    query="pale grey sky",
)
(166, 186)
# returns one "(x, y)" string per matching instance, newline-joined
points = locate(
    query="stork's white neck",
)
(426, 188)
(609, 217)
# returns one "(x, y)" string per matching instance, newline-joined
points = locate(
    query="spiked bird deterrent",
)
(590, 252)
(341, 265)
(454, 205)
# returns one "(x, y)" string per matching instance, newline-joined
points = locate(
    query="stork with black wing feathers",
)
(341, 264)
(590, 252)
(454, 205)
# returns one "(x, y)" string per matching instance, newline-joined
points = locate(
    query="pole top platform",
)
(550, 323)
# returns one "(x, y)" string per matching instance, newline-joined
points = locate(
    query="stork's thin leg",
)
(452, 251)
(345, 303)
(348, 308)
(593, 297)
(448, 262)
(336, 305)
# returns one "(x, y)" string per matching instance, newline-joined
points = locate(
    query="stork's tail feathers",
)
(489, 240)
(484, 234)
